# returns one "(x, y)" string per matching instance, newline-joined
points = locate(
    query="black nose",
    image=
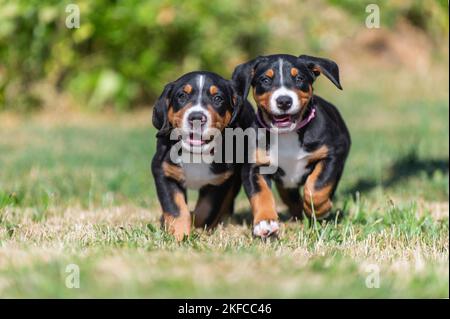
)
(197, 116)
(284, 102)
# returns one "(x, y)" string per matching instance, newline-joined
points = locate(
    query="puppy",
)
(312, 141)
(211, 102)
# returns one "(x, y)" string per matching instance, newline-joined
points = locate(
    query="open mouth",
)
(283, 121)
(198, 143)
(196, 139)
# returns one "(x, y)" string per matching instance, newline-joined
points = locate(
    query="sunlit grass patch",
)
(122, 252)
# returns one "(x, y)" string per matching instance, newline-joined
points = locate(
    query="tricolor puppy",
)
(197, 104)
(312, 139)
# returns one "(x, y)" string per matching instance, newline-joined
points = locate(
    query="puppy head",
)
(282, 85)
(199, 104)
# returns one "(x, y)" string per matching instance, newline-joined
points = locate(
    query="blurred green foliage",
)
(125, 51)
(429, 15)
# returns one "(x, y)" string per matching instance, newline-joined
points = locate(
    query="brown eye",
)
(182, 97)
(217, 99)
(266, 81)
(299, 79)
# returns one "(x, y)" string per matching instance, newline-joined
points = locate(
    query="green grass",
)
(78, 189)
(135, 259)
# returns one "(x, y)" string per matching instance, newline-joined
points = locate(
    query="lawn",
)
(76, 188)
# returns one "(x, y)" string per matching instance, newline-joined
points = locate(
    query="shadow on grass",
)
(405, 167)
(245, 217)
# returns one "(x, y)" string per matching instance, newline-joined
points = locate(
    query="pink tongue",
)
(282, 120)
(195, 140)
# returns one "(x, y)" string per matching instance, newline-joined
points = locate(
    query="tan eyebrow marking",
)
(269, 73)
(187, 88)
(213, 89)
(294, 71)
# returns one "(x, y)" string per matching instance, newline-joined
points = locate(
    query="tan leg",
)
(264, 210)
(179, 226)
(317, 200)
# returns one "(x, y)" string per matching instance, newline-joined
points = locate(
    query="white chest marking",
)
(198, 175)
(290, 156)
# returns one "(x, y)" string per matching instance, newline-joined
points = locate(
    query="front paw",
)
(266, 228)
(180, 234)
(179, 227)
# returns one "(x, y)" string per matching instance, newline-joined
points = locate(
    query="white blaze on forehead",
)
(281, 73)
(200, 84)
(197, 107)
(282, 90)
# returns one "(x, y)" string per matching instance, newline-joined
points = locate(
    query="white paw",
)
(266, 228)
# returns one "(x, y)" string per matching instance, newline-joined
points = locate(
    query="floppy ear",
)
(236, 102)
(320, 65)
(243, 75)
(159, 118)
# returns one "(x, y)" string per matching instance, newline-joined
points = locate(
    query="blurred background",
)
(76, 142)
(125, 51)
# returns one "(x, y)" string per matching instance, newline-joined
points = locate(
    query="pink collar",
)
(299, 125)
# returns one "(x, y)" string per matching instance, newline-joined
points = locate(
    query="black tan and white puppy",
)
(211, 101)
(312, 139)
